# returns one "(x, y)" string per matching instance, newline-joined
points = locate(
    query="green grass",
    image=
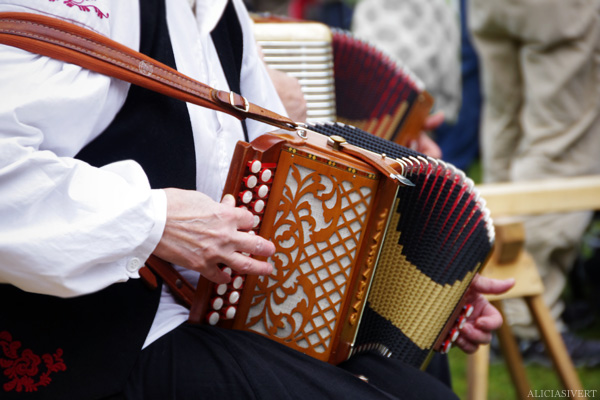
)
(500, 386)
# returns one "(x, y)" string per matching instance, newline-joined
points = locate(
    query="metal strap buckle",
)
(232, 102)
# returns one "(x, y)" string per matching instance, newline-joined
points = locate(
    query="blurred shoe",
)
(583, 352)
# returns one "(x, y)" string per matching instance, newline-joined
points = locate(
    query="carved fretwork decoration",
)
(318, 227)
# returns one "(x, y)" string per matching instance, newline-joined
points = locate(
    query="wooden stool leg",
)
(477, 373)
(555, 346)
(512, 357)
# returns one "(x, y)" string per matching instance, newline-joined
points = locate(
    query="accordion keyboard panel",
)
(304, 51)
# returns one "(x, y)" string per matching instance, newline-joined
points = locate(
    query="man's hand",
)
(424, 144)
(485, 317)
(290, 92)
(200, 234)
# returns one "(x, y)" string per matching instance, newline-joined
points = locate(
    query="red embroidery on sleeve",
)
(83, 6)
(22, 369)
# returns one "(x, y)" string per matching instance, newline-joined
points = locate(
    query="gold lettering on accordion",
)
(408, 298)
(365, 277)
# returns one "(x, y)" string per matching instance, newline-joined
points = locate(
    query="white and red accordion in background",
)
(345, 79)
(364, 261)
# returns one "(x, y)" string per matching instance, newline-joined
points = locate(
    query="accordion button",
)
(221, 289)
(228, 271)
(250, 181)
(217, 303)
(446, 347)
(246, 196)
(265, 175)
(254, 166)
(461, 322)
(234, 297)
(258, 206)
(468, 310)
(256, 221)
(238, 282)
(262, 191)
(213, 318)
(454, 335)
(230, 312)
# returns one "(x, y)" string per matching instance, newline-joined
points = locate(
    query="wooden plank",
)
(541, 197)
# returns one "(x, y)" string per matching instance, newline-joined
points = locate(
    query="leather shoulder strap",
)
(73, 44)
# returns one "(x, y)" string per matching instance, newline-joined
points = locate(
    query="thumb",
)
(433, 121)
(228, 200)
(487, 285)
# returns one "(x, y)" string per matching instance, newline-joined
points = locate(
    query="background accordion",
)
(345, 79)
(362, 263)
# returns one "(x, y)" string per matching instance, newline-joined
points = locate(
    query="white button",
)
(238, 282)
(221, 289)
(468, 310)
(262, 191)
(251, 181)
(254, 166)
(258, 206)
(454, 335)
(246, 196)
(213, 318)
(446, 348)
(134, 264)
(230, 312)
(266, 175)
(217, 303)
(234, 297)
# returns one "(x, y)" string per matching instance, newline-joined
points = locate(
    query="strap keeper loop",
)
(234, 104)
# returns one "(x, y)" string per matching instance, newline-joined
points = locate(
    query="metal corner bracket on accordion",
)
(363, 262)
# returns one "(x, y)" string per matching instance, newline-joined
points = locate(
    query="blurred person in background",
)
(424, 35)
(540, 71)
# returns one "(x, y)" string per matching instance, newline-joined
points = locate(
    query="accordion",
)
(366, 259)
(345, 79)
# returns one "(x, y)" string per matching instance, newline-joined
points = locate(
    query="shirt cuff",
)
(158, 204)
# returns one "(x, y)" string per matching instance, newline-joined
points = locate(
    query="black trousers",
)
(202, 362)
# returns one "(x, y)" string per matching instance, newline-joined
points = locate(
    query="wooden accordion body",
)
(362, 263)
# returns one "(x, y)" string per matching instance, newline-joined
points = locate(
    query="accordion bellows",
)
(440, 234)
(361, 263)
(376, 93)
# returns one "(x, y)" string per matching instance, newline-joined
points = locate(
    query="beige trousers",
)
(540, 74)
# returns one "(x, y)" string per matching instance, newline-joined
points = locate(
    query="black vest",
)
(84, 347)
